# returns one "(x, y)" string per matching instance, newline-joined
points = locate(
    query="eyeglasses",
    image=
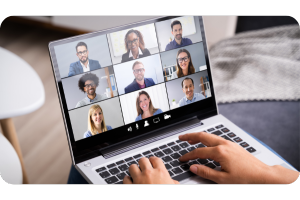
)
(133, 41)
(90, 85)
(136, 71)
(181, 59)
(80, 53)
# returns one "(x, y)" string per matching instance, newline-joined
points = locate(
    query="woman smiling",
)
(184, 64)
(145, 107)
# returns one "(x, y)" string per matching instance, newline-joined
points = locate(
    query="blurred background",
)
(42, 135)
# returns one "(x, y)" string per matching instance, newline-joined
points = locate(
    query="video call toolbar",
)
(124, 77)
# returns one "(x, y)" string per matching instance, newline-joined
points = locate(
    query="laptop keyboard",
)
(170, 153)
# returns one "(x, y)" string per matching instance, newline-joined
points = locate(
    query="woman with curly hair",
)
(96, 122)
(135, 46)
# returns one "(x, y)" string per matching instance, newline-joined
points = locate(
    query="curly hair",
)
(139, 35)
(86, 77)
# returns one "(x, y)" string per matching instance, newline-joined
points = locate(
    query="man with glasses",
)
(84, 64)
(188, 89)
(139, 82)
(179, 41)
(88, 84)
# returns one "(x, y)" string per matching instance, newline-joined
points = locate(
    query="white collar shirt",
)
(140, 53)
(85, 68)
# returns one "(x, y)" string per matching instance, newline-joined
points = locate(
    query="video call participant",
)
(139, 82)
(96, 122)
(135, 46)
(88, 84)
(184, 64)
(178, 41)
(144, 106)
(188, 89)
(84, 64)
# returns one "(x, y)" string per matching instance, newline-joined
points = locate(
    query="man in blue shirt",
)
(178, 40)
(188, 89)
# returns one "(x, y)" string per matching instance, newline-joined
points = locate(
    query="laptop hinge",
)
(149, 138)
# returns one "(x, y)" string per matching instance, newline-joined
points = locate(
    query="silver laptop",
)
(130, 91)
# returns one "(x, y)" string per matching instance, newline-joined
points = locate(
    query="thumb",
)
(127, 180)
(207, 173)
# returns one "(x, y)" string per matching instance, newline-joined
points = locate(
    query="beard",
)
(84, 60)
(91, 92)
(139, 78)
(178, 36)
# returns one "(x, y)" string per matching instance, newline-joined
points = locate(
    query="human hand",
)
(151, 171)
(237, 164)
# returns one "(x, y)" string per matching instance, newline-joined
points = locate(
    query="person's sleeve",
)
(98, 65)
(78, 105)
(168, 47)
(108, 127)
(123, 58)
(126, 90)
(152, 81)
(147, 52)
(71, 70)
(159, 111)
(190, 41)
(180, 103)
(85, 135)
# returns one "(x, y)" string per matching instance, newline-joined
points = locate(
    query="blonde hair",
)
(91, 125)
(138, 108)
(191, 69)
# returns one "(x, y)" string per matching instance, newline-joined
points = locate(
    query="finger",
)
(208, 173)
(127, 180)
(203, 153)
(176, 182)
(145, 164)
(203, 137)
(157, 162)
(134, 171)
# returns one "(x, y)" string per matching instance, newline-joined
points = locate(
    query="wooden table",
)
(22, 92)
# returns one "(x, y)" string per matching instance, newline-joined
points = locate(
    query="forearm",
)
(280, 175)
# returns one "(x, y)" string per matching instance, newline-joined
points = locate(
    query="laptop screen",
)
(120, 83)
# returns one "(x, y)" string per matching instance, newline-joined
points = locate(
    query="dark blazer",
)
(135, 86)
(76, 68)
(125, 56)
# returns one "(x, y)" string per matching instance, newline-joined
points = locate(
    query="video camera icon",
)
(167, 116)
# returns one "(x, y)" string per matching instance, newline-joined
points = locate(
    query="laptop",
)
(128, 92)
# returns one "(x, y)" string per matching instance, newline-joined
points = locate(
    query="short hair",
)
(139, 35)
(81, 44)
(86, 77)
(187, 78)
(175, 23)
(136, 63)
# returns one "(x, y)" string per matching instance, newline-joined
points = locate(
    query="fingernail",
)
(193, 169)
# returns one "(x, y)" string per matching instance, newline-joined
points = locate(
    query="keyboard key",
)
(171, 144)
(226, 138)
(183, 176)
(159, 154)
(176, 148)
(184, 145)
(137, 156)
(114, 171)
(217, 133)
(210, 159)
(202, 161)
(177, 170)
(121, 176)
(111, 180)
(120, 182)
(251, 149)
(100, 169)
(171, 173)
(155, 149)
(244, 144)
(182, 152)
(104, 174)
(111, 165)
(193, 162)
(146, 153)
(237, 139)
(168, 166)
(231, 134)
(127, 172)
(225, 130)
(200, 145)
(175, 163)
(163, 146)
(120, 162)
(210, 165)
(148, 156)
(216, 163)
(220, 126)
(178, 141)
(191, 149)
(167, 159)
(210, 130)
(129, 159)
(167, 151)
(123, 167)
(132, 162)
(175, 155)
(185, 167)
